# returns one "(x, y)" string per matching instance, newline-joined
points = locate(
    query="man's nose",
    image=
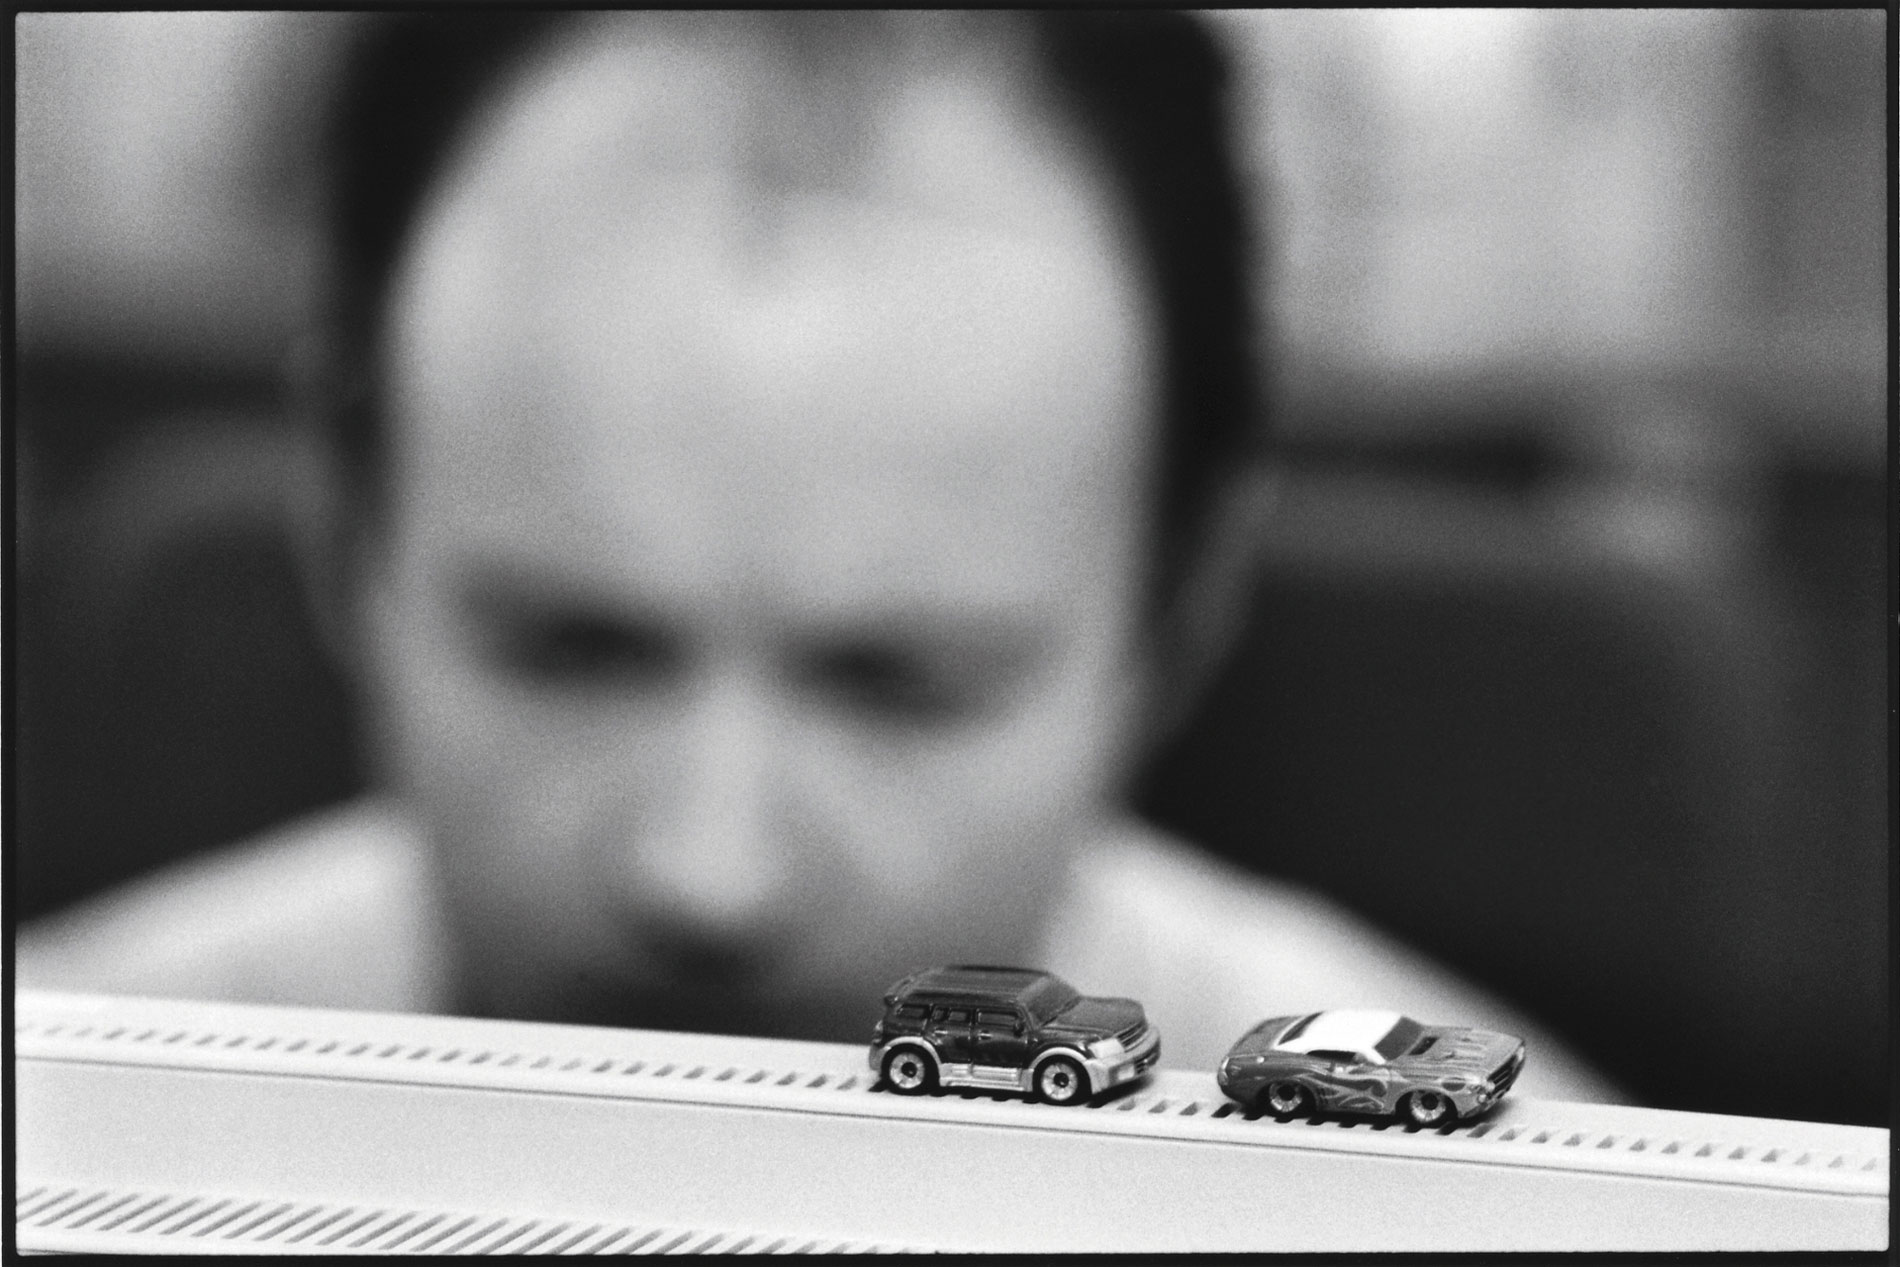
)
(711, 857)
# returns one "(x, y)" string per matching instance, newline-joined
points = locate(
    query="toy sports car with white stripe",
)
(1353, 1061)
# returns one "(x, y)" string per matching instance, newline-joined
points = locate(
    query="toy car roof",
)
(1347, 1029)
(973, 980)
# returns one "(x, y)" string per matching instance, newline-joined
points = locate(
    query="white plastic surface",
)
(158, 1125)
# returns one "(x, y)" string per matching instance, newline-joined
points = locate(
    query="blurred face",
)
(756, 616)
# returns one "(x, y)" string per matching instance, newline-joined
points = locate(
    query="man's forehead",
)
(608, 222)
(911, 515)
(646, 113)
(938, 370)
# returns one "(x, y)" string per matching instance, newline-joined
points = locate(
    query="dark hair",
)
(1147, 89)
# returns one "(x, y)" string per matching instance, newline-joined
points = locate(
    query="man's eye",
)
(893, 684)
(582, 649)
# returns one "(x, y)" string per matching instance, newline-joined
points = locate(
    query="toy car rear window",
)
(1399, 1039)
(912, 1011)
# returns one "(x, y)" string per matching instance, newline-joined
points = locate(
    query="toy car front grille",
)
(1132, 1035)
(1505, 1074)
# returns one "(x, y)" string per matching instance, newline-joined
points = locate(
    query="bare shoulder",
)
(329, 909)
(1135, 875)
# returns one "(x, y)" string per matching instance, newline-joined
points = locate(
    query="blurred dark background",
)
(1568, 654)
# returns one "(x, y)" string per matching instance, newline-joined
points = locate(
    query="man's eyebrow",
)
(950, 632)
(489, 587)
(499, 588)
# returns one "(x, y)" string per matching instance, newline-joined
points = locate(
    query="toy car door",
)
(950, 1032)
(1353, 1082)
(1002, 1042)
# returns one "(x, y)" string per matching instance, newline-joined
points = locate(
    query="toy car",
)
(1370, 1062)
(1009, 1029)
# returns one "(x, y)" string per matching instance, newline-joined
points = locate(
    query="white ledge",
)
(147, 1124)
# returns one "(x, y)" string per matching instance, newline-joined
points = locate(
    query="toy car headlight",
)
(1106, 1048)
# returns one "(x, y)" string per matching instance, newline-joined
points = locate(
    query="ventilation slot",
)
(347, 1049)
(457, 1229)
(61, 1206)
(354, 1229)
(76, 1213)
(225, 1219)
(129, 1222)
(137, 1210)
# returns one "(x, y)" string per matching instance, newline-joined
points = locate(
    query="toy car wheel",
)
(1287, 1099)
(1427, 1108)
(1062, 1081)
(908, 1071)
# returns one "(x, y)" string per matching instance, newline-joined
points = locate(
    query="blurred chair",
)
(172, 695)
(1563, 772)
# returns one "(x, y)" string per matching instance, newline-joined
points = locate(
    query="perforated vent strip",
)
(397, 1053)
(124, 1221)
(1130, 1101)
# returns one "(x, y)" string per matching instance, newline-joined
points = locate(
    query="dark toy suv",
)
(1009, 1029)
